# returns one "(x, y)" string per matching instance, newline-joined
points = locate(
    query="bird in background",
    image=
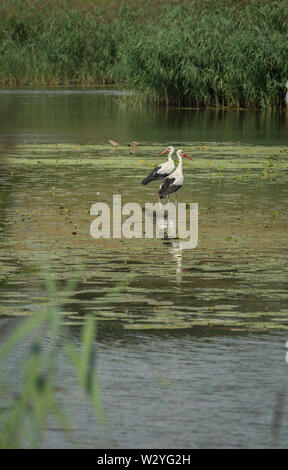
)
(162, 170)
(173, 182)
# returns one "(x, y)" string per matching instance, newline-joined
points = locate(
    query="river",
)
(191, 354)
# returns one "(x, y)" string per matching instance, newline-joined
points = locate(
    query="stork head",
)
(181, 154)
(169, 149)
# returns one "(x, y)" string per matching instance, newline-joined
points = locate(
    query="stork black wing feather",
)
(164, 190)
(153, 176)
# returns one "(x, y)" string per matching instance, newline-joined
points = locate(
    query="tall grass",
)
(225, 56)
(24, 413)
(27, 411)
(44, 44)
(197, 53)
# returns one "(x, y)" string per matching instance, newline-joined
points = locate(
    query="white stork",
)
(162, 170)
(174, 181)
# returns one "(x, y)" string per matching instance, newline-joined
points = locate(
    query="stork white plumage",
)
(175, 180)
(162, 170)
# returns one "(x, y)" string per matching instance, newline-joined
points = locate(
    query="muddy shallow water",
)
(192, 351)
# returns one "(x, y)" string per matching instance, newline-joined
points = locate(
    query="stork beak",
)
(165, 151)
(187, 156)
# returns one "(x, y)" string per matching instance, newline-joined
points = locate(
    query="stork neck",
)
(170, 155)
(180, 163)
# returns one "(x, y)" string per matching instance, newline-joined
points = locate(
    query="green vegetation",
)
(36, 399)
(198, 53)
(27, 410)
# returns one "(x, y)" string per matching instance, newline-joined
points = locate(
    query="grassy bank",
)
(194, 52)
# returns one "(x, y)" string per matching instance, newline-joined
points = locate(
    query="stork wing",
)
(153, 175)
(166, 187)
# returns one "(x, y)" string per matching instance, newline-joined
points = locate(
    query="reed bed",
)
(192, 53)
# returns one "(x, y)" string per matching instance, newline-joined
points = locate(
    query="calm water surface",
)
(192, 352)
(94, 116)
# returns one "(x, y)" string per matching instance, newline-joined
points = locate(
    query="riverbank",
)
(188, 53)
